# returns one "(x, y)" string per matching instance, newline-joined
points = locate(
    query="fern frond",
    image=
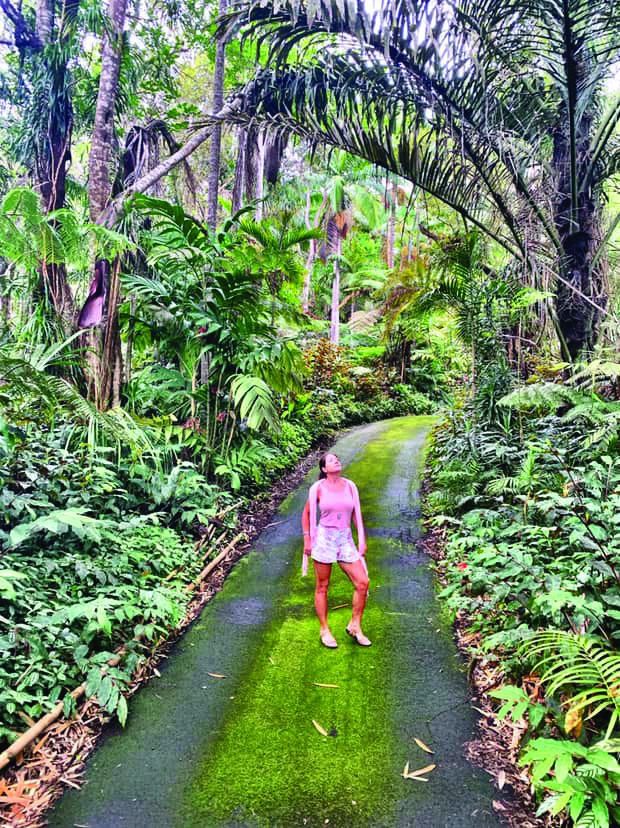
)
(541, 395)
(568, 662)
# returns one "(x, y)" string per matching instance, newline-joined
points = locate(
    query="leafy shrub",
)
(74, 604)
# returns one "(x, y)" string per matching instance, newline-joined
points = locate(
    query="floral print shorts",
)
(334, 546)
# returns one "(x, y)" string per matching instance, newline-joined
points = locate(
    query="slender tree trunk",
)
(216, 137)
(237, 193)
(260, 176)
(313, 247)
(391, 228)
(334, 331)
(132, 322)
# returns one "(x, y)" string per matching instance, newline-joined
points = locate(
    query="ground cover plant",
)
(532, 506)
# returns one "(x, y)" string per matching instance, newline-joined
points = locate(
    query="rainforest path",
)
(200, 751)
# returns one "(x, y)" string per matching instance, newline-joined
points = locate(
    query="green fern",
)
(545, 396)
(569, 662)
(25, 384)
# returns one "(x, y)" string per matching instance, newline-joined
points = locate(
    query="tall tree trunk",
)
(52, 133)
(260, 176)
(313, 247)
(391, 228)
(216, 137)
(577, 216)
(334, 331)
(110, 363)
(100, 172)
(237, 193)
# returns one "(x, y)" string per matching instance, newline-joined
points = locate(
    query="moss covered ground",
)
(243, 750)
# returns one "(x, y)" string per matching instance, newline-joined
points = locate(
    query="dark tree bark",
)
(105, 386)
(578, 226)
(216, 137)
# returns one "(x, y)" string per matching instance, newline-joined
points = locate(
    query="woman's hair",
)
(322, 472)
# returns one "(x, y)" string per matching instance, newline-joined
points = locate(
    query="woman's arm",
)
(305, 525)
(357, 519)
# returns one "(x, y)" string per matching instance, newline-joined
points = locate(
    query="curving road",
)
(242, 750)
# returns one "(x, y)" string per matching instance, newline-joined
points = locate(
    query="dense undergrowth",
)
(531, 505)
(99, 527)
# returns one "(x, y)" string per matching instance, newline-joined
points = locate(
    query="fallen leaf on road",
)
(501, 779)
(421, 771)
(421, 744)
(319, 684)
(216, 675)
(321, 730)
(406, 771)
(498, 805)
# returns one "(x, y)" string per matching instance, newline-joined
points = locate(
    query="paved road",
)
(201, 751)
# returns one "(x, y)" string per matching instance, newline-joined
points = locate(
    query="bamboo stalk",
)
(211, 566)
(22, 742)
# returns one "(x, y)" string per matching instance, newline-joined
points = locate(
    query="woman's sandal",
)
(359, 637)
(328, 640)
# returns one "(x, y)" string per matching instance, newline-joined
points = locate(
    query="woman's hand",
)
(363, 549)
(307, 545)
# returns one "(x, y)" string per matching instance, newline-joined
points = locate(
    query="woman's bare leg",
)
(323, 572)
(359, 578)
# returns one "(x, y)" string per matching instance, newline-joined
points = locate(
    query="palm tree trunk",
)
(216, 137)
(313, 247)
(391, 228)
(237, 193)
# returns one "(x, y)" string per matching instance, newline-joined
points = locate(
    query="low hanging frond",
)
(255, 401)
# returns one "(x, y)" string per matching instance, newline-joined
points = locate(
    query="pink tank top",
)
(336, 507)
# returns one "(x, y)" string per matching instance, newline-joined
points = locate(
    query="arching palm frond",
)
(438, 94)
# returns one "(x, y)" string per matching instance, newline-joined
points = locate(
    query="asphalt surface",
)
(243, 750)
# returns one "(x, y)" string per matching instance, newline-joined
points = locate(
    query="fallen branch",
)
(44, 722)
(212, 564)
(110, 214)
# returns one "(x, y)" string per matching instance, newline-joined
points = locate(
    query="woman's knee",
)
(322, 585)
(361, 584)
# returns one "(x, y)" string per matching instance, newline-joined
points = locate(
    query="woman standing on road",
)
(331, 542)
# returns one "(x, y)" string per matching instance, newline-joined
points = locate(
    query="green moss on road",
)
(199, 751)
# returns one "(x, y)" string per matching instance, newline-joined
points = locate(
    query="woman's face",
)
(332, 463)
